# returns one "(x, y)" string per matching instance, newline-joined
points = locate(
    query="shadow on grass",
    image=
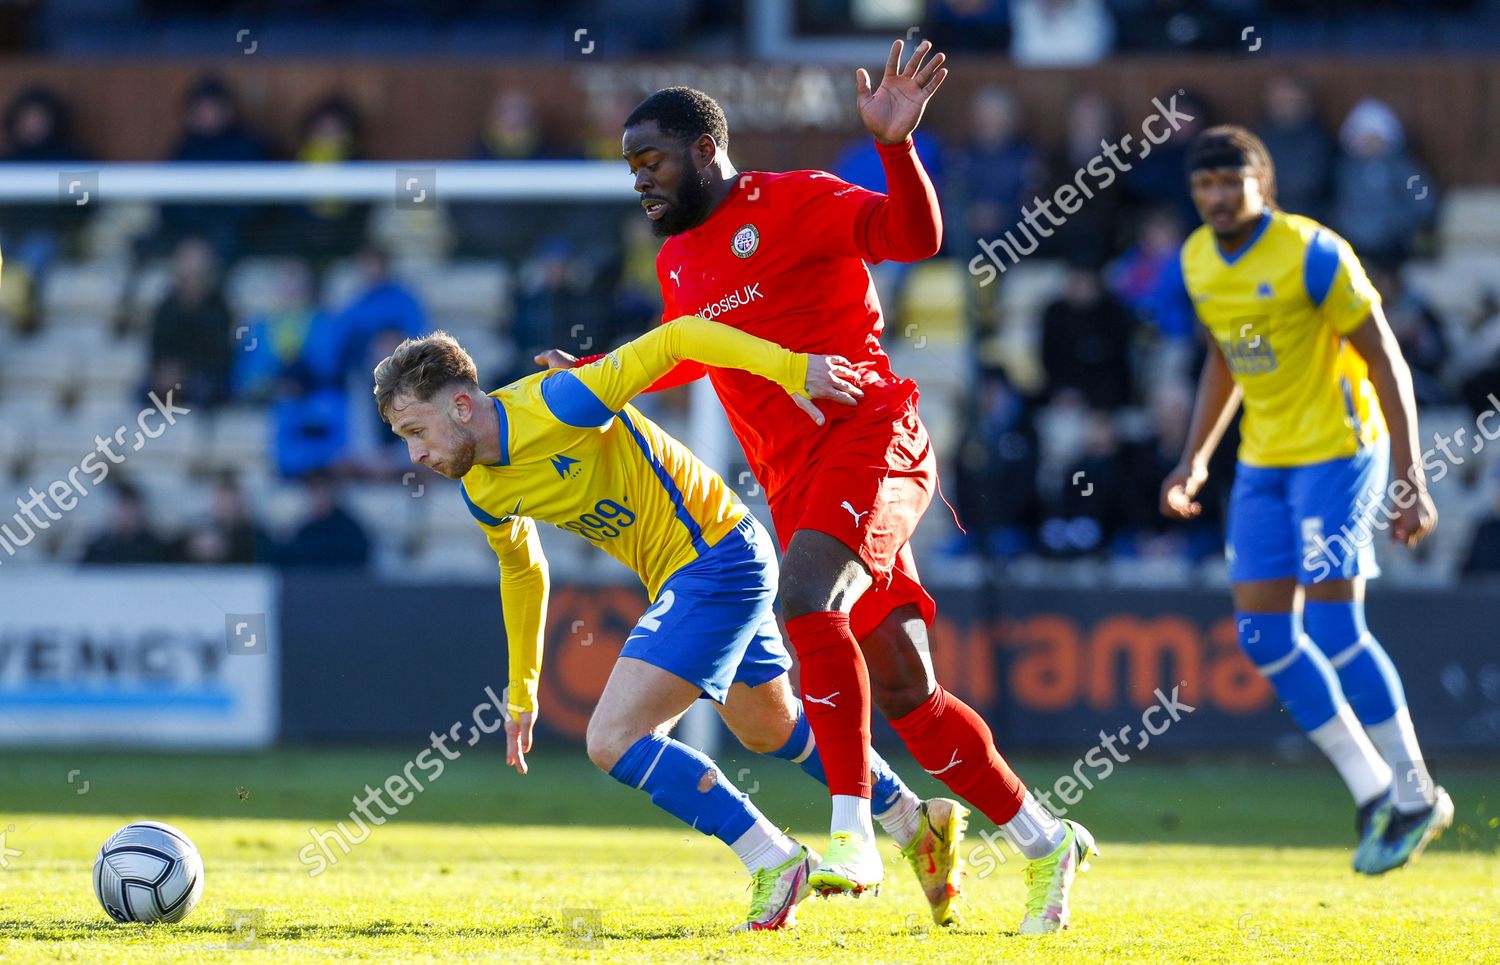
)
(577, 932)
(1243, 801)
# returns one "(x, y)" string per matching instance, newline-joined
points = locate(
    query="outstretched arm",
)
(591, 394)
(685, 372)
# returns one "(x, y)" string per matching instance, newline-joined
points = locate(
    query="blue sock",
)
(670, 772)
(886, 788)
(1369, 679)
(1302, 676)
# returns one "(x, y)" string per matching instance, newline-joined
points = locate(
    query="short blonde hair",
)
(420, 367)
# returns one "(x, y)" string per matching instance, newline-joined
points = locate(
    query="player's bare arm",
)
(1377, 345)
(1218, 399)
(892, 111)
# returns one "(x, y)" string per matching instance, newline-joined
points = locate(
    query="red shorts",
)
(868, 490)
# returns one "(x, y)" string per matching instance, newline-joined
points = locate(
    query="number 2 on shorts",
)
(651, 619)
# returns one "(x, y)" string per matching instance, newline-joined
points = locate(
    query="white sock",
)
(852, 814)
(902, 819)
(1396, 740)
(1361, 767)
(763, 846)
(1035, 831)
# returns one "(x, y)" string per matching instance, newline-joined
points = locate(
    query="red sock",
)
(835, 697)
(954, 745)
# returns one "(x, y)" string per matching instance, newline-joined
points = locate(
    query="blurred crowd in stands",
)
(329, 537)
(1034, 32)
(1056, 455)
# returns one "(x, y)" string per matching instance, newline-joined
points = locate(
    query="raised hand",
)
(892, 111)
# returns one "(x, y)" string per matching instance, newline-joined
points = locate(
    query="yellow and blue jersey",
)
(575, 454)
(1279, 309)
(610, 476)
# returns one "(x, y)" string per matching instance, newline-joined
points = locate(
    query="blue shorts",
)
(1312, 522)
(712, 623)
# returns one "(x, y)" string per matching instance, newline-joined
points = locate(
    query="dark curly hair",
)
(683, 113)
(1230, 145)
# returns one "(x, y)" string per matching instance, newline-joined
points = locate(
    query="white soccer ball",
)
(148, 871)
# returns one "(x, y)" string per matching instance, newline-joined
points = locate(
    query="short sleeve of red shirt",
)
(831, 214)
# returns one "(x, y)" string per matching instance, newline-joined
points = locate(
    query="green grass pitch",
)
(1220, 862)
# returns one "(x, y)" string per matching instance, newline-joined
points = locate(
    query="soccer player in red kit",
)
(782, 256)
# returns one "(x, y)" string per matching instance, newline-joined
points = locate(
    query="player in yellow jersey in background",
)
(1298, 336)
(565, 447)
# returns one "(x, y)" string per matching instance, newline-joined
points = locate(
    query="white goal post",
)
(401, 182)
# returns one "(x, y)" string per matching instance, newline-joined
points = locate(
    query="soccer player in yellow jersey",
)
(565, 447)
(1297, 337)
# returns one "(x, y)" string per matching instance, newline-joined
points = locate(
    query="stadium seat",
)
(113, 371)
(934, 301)
(493, 354)
(1025, 290)
(929, 343)
(112, 231)
(176, 449)
(454, 558)
(443, 514)
(255, 285)
(83, 295)
(63, 538)
(1470, 218)
(239, 440)
(412, 235)
(45, 365)
(341, 283)
(388, 510)
(281, 506)
(1455, 285)
(465, 289)
(174, 502)
(1031, 284)
(15, 445)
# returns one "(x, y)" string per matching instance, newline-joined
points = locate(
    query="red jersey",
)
(783, 257)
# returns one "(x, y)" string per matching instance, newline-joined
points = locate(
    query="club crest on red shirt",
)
(745, 241)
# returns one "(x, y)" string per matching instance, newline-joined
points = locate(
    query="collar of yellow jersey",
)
(504, 433)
